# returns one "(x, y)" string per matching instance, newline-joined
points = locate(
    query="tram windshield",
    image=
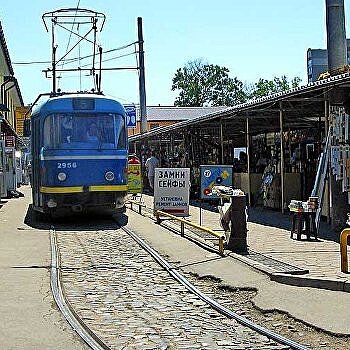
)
(84, 131)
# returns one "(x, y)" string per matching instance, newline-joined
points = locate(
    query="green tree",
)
(203, 84)
(267, 87)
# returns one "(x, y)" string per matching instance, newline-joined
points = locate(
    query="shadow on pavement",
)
(90, 221)
(2, 203)
(269, 217)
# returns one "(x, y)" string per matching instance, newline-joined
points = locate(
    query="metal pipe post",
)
(248, 161)
(344, 250)
(328, 188)
(282, 157)
(100, 70)
(222, 141)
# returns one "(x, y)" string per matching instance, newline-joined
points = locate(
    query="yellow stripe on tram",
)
(108, 188)
(71, 189)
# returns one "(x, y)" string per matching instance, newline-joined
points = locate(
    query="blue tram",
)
(79, 154)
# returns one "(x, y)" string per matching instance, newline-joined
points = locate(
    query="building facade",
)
(158, 116)
(317, 62)
(11, 145)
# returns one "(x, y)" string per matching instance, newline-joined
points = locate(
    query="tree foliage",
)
(202, 84)
(267, 87)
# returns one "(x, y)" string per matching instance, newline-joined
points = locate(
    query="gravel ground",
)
(131, 302)
(241, 301)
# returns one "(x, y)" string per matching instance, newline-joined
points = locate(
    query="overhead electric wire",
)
(69, 39)
(111, 59)
(71, 31)
(76, 58)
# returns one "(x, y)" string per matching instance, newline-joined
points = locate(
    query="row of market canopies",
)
(302, 115)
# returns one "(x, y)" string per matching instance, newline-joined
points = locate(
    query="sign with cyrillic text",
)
(172, 190)
(214, 175)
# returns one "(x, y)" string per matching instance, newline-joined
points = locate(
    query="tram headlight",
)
(109, 176)
(62, 176)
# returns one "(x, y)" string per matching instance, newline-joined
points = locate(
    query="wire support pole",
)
(142, 88)
(53, 57)
(94, 52)
(100, 71)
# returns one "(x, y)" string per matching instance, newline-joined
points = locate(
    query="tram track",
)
(96, 343)
(85, 333)
(216, 306)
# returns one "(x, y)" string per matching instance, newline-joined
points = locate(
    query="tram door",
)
(3, 187)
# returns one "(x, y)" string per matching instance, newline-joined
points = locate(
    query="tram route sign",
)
(212, 175)
(130, 115)
(172, 190)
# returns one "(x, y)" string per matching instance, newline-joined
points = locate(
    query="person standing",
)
(151, 163)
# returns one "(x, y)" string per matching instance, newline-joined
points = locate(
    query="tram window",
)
(74, 131)
(122, 137)
(51, 132)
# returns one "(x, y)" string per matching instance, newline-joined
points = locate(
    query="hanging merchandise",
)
(335, 162)
(340, 163)
(346, 169)
(270, 139)
(340, 150)
(340, 124)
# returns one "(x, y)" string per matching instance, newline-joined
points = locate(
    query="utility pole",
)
(142, 88)
(54, 47)
(337, 58)
(336, 37)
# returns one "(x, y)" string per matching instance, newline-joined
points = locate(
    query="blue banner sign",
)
(130, 115)
(214, 175)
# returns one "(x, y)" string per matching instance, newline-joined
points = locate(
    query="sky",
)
(252, 38)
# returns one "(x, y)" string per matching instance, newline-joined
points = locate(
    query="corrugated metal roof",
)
(254, 104)
(161, 113)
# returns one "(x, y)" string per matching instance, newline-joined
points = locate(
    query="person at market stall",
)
(151, 163)
(261, 163)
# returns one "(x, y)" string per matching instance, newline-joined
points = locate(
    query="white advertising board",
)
(172, 190)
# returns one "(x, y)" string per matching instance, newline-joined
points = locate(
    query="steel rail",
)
(88, 336)
(215, 305)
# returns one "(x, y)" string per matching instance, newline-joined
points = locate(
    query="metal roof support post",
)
(1, 121)
(222, 141)
(326, 114)
(248, 161)
(328, 188)
(185, 155)
(282, 158)
(192, 161)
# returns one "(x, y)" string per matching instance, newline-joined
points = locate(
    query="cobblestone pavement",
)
(271, 238)
(124, 296)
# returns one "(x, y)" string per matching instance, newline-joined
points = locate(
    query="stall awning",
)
(8, 130)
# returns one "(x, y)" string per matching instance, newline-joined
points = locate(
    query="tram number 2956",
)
(67, 165)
